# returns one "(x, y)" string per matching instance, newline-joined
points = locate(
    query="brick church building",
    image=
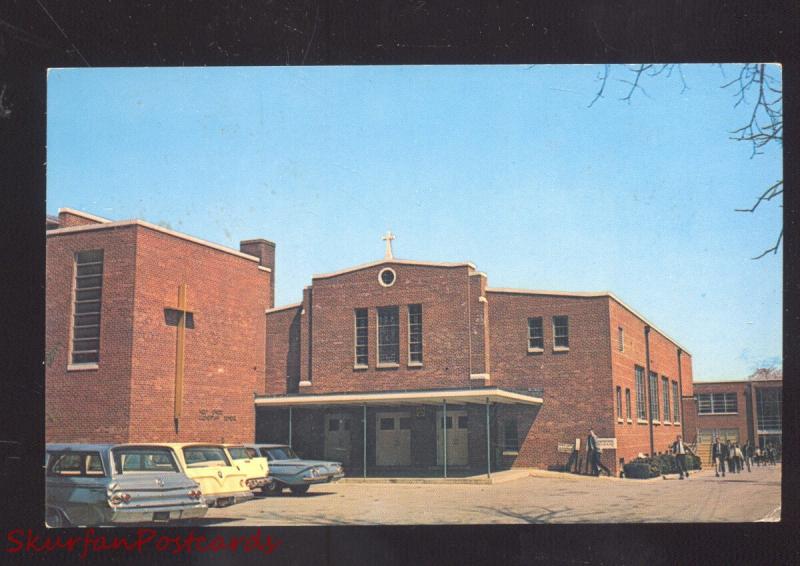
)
(393, 365)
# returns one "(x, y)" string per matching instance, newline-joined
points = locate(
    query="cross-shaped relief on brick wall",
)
(183, 318)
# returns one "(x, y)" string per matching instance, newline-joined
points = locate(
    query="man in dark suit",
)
(679, 449)
(593, 452)
(719, 453)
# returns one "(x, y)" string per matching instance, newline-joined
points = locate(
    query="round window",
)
(387, 276)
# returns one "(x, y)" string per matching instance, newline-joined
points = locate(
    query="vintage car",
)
(100, 484)
(251, 463)
(221, 482)
(287, 469)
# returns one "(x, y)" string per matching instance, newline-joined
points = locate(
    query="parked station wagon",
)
(221, 482)
(288, 470)
(248, 460)
(96, 484)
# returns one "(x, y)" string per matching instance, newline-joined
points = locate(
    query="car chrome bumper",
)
(225, 499)
(147, 514)
(328, 478)
(259, 482)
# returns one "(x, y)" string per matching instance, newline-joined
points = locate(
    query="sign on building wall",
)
(607, 443)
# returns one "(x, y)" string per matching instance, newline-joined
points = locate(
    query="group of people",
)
(723, 454)
(735, 458)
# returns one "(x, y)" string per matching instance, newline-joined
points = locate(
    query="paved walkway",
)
(744, 497)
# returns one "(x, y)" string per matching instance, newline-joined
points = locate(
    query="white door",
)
(457, 438)
(393, 439)
(338, 428)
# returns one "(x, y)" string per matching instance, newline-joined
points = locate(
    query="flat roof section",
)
(424, 397)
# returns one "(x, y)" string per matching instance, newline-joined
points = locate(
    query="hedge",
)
(660, 464)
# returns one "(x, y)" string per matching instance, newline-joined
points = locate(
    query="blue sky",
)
(504, 166)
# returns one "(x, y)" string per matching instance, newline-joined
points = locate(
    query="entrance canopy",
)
(424, 397)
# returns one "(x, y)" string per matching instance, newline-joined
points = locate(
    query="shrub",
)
(660, 464)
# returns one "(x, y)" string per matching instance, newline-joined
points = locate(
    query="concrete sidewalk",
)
(495, 478)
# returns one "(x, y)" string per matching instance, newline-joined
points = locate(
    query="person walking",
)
(679, 449)
(593, 454)
(718, 456)
(747, 452)
(739, 455)
(729, 457)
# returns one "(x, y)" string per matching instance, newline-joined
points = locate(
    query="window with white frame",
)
(86, 307)
(361, 337)
(627, 403)
(655, 412)
(535, 334)
(561, 332)
(619, 402)
(641, 395)
(388, 335)
(415, 334)
(676, 403)
(716, 403)
(665, 397)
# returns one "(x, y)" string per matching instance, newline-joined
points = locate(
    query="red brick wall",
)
(89, 405)
(634, 437)
(443, 293)
(68, 220)
(577, 384)
(283, 351)
(479, 317)
(225, 352)
(695, 422)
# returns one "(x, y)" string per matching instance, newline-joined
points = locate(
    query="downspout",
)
(647, 386)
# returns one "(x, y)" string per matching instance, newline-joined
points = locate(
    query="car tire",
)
(55, 519)
(299, 489)
(273, 488)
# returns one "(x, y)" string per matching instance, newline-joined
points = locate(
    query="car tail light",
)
(195, 494)
(118, 498)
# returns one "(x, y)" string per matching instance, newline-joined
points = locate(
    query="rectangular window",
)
(641, 407)
(561, 332)
(510, 436)
(619, 402)
(388, 335)
(86, 307)
(415, 334)
(655, 412)
(362, 337)
(627, 403)
(665, 397)
(769, 402)
(676, 403)
(716, 403)
(620, 339)
(535, 334)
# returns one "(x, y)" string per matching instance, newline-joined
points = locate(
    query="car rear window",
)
(238, 453)
(280, 454)
(200, 456)
(137, 459)
(66, 464)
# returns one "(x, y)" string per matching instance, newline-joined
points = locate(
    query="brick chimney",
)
(264, 250)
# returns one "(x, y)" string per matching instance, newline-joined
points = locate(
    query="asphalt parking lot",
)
(559, 498)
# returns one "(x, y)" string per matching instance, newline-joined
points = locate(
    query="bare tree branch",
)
(769, 194)
(773, 249)
(604, 79)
